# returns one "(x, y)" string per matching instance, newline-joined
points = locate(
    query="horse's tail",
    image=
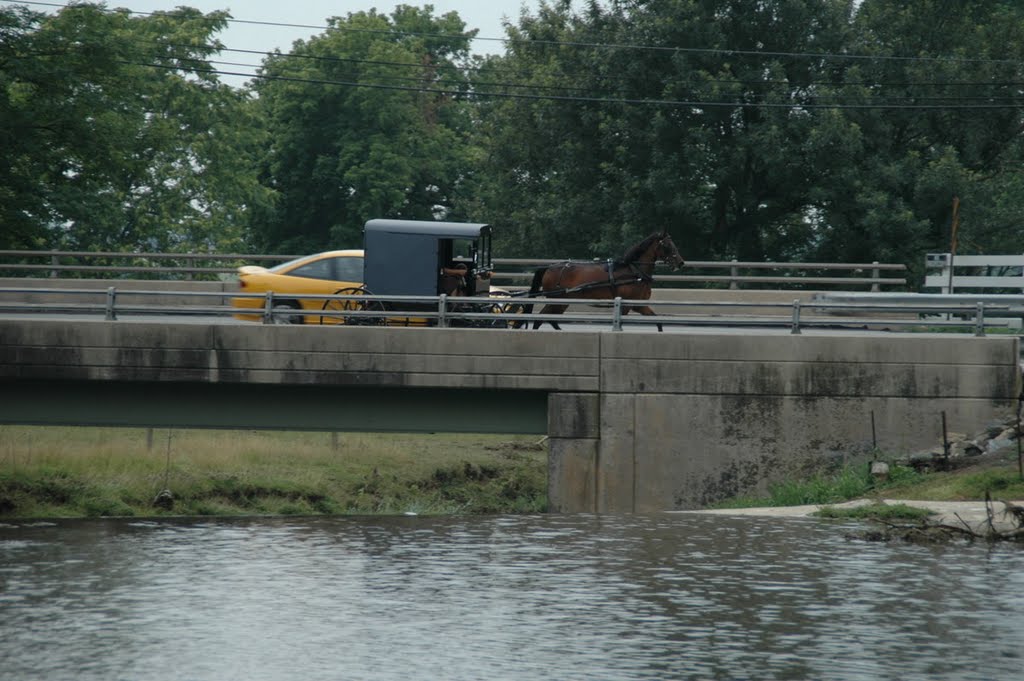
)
(535, 287)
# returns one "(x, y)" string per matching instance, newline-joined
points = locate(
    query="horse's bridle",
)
(661, 244)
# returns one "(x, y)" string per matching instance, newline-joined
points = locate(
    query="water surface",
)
(670, 596)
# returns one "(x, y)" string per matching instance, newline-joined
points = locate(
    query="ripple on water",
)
(510, 597)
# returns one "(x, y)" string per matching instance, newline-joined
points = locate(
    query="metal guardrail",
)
(443, 311)
(53, 264)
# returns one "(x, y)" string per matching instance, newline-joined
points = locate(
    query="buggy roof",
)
(467, 230)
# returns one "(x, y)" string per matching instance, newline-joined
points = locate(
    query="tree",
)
(949, 73)
(364, 122)
(120, 135)
(660, 114)
(541, 158)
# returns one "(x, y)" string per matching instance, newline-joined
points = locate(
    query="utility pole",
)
(952, 239)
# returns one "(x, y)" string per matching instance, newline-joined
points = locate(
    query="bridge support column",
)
(616, 477)
(573, 434)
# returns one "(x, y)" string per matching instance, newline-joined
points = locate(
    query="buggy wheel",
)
(502, 302)
(343, 306)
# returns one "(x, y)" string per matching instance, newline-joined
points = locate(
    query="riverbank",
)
(971, 515)
(970, 493)
(96, 472)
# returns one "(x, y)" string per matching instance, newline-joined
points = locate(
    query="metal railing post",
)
(617, 314)
(268, 308)
(111, 312)
(795, 330)
(442, 309)
(734, 272)
(54, 260)
(979, 320)
(874, 275)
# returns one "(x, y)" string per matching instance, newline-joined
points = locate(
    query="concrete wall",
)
(637, 421)
(686, 421)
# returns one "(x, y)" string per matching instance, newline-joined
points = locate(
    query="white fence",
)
(948, 272)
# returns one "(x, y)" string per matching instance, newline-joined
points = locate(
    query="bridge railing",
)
(732, 274)
(115, 304)
(736, 274)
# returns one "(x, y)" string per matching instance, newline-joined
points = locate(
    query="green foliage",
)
(341, 153)
(116, 135)
(805, 130)
(1002, 482)
(852, 481)
(753, 161)
(848, 483)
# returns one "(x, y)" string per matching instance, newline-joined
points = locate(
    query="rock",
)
(880, 471)
(994, 429)
(164, 500)
(999, 444)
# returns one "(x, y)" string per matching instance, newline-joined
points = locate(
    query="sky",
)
(485, 15)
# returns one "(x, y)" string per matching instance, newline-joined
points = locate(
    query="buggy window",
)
(463, 249)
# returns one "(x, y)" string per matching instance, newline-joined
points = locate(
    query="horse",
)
(629, 277)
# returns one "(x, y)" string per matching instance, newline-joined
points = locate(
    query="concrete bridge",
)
(638, 422)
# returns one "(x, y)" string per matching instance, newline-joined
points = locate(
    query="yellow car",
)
(324, 273)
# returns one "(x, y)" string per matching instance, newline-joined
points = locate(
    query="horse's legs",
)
(647, 312)
(551, 309)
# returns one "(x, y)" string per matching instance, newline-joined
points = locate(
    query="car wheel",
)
(283, 313)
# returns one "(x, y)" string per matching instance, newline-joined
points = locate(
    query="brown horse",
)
(629, 277)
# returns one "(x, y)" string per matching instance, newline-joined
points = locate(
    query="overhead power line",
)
(696, 103)
(618, 46)
(796, 95)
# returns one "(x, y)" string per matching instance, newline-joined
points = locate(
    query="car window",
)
(318, 269)
(349, 268)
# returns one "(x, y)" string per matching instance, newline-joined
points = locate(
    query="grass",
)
(89, 472)
(876, 511)
(1001, 479)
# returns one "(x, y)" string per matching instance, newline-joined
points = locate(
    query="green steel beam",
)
(272, 407)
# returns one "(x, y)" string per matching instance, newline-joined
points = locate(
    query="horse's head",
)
(668, 253)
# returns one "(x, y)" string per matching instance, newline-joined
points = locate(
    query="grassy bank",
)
(88, 472)
(998, 475)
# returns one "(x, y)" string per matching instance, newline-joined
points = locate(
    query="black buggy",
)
(410, 258)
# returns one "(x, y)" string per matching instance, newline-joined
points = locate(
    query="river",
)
(560, 597)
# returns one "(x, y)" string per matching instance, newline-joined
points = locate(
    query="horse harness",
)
(636, 277)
